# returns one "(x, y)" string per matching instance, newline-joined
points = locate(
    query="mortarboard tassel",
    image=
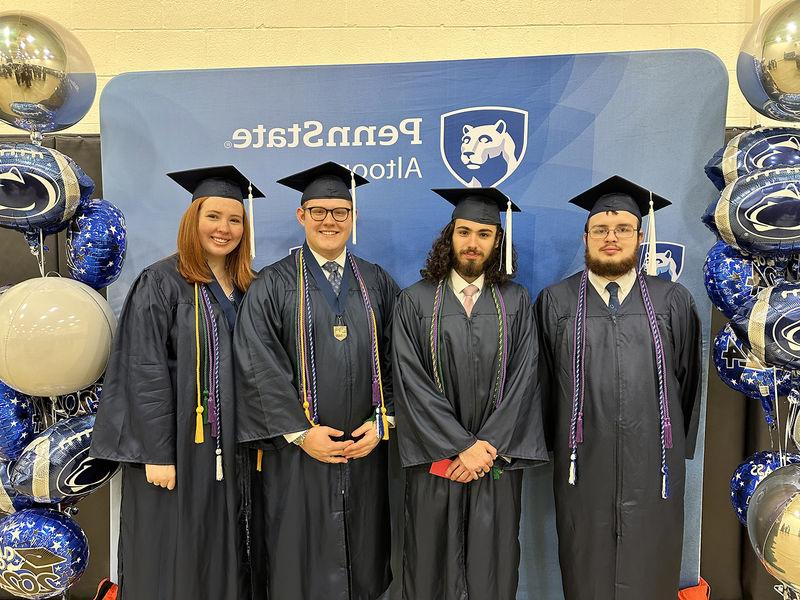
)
(509, 248)
(651, 239)
(252, 220)
(355, 208)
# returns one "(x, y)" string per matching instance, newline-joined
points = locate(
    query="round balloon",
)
(47, 80)
(759, 213)
(56, 466)
(733, 279)
(10, 499)
(42, 553)
(96, 242)
(16, 422)
(40, 188)
(749, 474)
(773, 524)
(740, 370)
(55, 336)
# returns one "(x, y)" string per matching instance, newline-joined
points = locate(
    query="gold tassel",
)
(198, 426)
(259, 459)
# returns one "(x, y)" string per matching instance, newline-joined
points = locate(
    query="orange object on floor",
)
(106, 590)
(701, 591)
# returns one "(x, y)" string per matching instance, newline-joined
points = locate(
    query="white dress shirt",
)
(457, 284)
(625, 285)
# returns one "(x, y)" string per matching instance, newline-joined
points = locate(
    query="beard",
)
(470, 269)
(611, 268)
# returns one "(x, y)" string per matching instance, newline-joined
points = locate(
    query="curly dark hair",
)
(440, 259)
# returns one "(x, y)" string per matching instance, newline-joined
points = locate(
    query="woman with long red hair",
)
(168, 409)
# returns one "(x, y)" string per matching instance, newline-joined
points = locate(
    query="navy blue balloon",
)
(16, 422)
(740, 370)
(96, 243)
(733, 279)
(757, 149)
(40, 189)
(10, 499)
(749, 474)
(759, 213)
(713, 169)
(42, 553)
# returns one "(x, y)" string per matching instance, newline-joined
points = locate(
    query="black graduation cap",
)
(223, 181)
(618, 194)
(328, 180)
(483, 205)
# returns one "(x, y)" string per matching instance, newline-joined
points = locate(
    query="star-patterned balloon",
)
(96, 243)
(733, 279)
(741, 370)
(749, 474)
(42, 553)
(16, 422)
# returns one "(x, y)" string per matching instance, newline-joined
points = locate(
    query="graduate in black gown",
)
(622, 406)
(315, 398)
(464, 359)
(168, 410)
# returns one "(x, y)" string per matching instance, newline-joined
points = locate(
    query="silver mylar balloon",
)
(47, 80)
(773, 524)
(768, 68)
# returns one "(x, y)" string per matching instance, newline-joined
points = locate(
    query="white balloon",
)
(55, 336)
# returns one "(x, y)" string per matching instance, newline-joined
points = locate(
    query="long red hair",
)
(192, 263)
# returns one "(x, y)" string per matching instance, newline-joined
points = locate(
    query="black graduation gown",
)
(461, 540)
(319, 530)
(618, 539)
(181, 544)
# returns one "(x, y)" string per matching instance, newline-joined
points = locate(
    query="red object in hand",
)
(106, 590)
(439, 467)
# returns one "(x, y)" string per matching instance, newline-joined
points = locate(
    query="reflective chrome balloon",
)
(47, 80)
(750, 474)
(768, 68)
(773, 524)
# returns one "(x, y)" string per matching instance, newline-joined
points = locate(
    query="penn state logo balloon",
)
(40, 188)
(741, 370)
(759, 212)
(56, 466)
(749, 474)
(760, 148)
(733, 279)
(96, 243)
(10, 499)
(42, 553)
(16, 422)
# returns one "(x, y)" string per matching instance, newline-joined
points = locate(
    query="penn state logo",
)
(25, 194)
(775, 150)
(669, 259)
(771, 212)
(786, 332)
(83, 474)
(483, 145)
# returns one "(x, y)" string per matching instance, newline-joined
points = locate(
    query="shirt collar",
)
(458, 284)
(321, 260)
(625, 282)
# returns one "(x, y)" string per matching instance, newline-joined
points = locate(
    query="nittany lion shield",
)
(669, 259)
(483, 145)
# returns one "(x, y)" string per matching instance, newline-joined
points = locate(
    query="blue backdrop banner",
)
(542, 129)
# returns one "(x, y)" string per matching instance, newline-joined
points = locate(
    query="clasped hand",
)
(472, 463)
(319, 445)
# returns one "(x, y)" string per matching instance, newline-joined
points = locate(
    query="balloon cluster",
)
(752, 275)
(55, 333)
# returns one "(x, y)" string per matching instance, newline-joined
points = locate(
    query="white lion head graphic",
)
(482, 142)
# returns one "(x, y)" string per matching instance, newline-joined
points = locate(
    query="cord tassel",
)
(198, 426)
(579, 430)
(219, 464)
(509, 247)
(573, 475)
(259, 459)
(665, 484)
(668, 434)
(199, 436)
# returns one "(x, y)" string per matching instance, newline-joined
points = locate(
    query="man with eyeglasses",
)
(620, 371)
(314, 397)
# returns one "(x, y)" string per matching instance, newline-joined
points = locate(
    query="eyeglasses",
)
(320, 214)
(622, 232)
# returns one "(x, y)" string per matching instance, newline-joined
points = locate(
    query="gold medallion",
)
(340, 332)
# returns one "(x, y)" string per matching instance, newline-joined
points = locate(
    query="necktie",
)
(334, 276)
(613, 300)
(469, 301)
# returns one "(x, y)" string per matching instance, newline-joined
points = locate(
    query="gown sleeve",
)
(136, 420)
(427, 427)
(268, 405)
(515, 427)
(546, 323)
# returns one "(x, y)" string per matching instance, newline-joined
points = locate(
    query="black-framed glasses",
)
(319, 214)
(621, 232)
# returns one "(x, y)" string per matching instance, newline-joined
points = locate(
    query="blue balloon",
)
(42, 553)
(10, 499)
(740, 370)
(40, 189)
(749, 474)
(96, 243)
(713, 169)
(16, 422)
(759, 213)
(754, 150)
(733, 279)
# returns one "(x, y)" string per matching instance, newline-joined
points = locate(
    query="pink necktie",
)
(469, 301)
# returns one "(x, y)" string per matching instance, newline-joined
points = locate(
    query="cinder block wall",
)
(138, 35)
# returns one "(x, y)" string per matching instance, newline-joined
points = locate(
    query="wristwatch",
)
(301, 438)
